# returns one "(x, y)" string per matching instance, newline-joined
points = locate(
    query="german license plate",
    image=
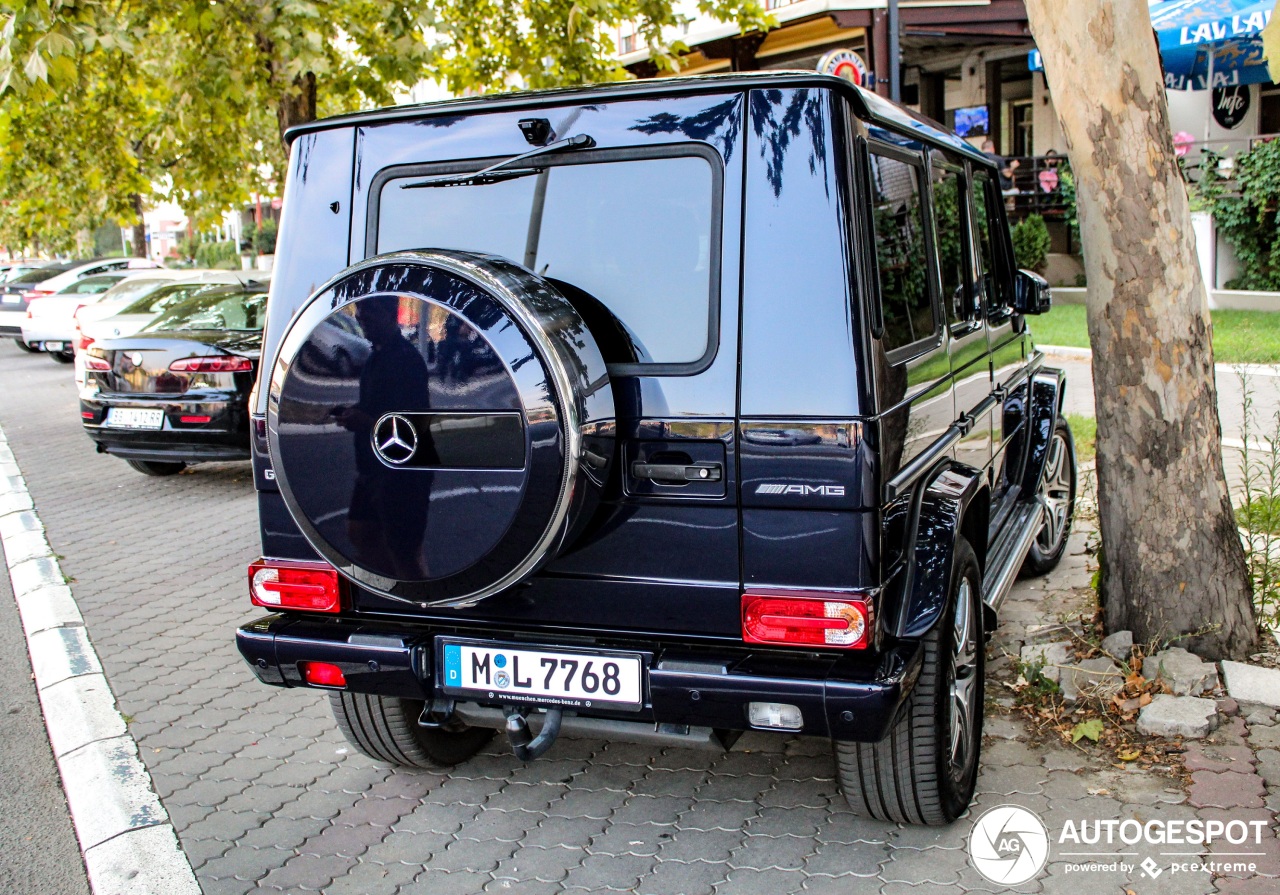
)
(133, 418)
(570, 678)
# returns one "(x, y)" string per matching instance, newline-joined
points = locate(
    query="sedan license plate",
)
(577, 678)
(52, 346)
(132, 418)
(10, 299)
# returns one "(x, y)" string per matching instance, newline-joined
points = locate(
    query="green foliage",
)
(1031, 242)
(1249, 221)
(1260, 470)
(188, 99)
(218, 254)
(1067, 190)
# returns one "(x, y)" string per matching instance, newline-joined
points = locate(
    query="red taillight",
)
(223, 363)
(803, 618)
(95, 364)
(196, 420)
(312, 586)
(323, 674)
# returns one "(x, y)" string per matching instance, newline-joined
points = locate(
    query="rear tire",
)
(156, 467)
(386, 728)
(29, 349)
(1057, 493)
(63, 357)
(925, 769)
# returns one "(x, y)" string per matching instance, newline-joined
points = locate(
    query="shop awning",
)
(1212, 43)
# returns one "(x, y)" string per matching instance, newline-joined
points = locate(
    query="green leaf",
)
(1092, 729)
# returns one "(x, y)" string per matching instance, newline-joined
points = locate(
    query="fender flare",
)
(951, 503)
(1048, 390)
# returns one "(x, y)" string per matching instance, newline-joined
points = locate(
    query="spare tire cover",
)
(439, 421)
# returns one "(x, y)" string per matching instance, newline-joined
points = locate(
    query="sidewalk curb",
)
(1087, 354)
(128, 844)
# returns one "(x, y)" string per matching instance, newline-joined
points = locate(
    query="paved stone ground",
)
(265, 794)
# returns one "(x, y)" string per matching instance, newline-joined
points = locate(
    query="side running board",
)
(1007, 554)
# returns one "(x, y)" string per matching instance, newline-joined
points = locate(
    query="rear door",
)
(970, 361)
(642, 234)
(1007, 340)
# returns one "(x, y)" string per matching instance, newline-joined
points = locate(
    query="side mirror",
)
(1031, 293)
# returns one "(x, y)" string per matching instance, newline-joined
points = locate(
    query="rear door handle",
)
(677, 473)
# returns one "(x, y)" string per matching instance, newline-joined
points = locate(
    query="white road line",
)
(129, 845)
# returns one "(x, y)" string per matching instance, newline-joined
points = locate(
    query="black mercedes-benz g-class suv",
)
(660, 410)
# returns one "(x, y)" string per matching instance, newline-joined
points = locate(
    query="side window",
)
(898, 219)
(948, 193)
(990, 275)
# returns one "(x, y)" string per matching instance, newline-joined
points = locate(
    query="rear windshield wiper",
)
(499, 171)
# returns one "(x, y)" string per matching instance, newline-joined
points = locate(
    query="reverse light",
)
(775, 715)
(222, 363)
(323, 674)
(309, 586)
(806, 618)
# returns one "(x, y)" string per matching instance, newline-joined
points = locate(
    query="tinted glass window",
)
(634, 235)
(898, 217)
(236, 310)
(989, 277)
(159, 299)
(38, 275)
(91, 285)
(949, 236)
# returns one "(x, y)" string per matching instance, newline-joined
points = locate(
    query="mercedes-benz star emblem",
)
(395, 439)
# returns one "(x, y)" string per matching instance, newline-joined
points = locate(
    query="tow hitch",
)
(524, 744)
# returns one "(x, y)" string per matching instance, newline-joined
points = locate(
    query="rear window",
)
(238, 310)
(91, 285)
(156, 300)
(39, 275)
(636, 235)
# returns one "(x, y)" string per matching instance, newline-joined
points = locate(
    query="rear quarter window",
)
(638, 235)
(901, 254)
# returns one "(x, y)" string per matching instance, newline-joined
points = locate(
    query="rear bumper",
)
(224, 437)
(845, 697)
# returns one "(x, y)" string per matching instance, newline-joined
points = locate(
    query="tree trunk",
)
(139, 228)
(1172, 563)
(297, 105)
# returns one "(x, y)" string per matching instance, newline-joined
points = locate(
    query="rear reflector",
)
(87, 414)
(322, 674)
(310, 586)
(805, 618)
(222, 363)
(195, 419)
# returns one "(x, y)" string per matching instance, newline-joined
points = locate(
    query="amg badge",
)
(802, 490)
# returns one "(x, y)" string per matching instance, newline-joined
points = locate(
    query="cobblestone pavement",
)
(265, 794)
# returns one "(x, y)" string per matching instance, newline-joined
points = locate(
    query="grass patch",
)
(1239, 337)
(1063, 326)
(1084, 431)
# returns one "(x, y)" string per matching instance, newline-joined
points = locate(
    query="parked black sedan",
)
(177, 392)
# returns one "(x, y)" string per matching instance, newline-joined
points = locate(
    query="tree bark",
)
(297, 106)
(139, 228)
(1173, 563)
